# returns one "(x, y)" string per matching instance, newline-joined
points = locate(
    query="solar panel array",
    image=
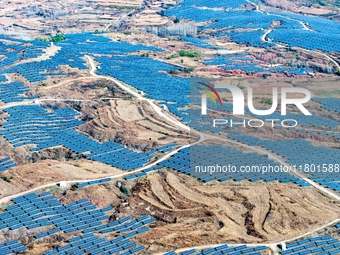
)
(162, 149)
(319, 163)
(85, 184)
(18, 49)
(224, 249)
(136, 71)
(3, 78)
(143, 173)
(12, 92)
(199, 42)
(318, 38)
(6, 164)
(34, 125)
(214, 4)
(38, 211)
(34, 51)
(297, 151)
(203, 123)
(186, 161)
(330, 104)
(325, 245)
(252, 37)
(11, 247)
(236, 62)
(133, 70)
(71, 53)
(248, 64)
(305, 121)
(92, 244)
(315, 245)
(13, 51)
(290, 31)
(232, 19)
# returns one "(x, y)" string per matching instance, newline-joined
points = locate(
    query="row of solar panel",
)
(37, 210)
(6, 164)
(224, 249)
(315, 245)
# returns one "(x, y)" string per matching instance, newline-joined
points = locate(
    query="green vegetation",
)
(125, 189)
(173, 56)
(7, 178)
(128, 97)
(5, 206)
(55, 189)
(266, 101)
(186, 53)
(330, 3)
(189, 69)
(164, 133)
(321, 2)
(172, 71)
(146, 54)
(58, 38)
(42, 39)
(44, 84)
(189, 53)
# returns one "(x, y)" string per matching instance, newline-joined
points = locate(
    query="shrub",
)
(189, 53)
(58, 38)
(125, 189)
(7, 178)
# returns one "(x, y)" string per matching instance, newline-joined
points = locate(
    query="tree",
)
(189, 53)
(58, 38)
(125, 189)
(189, 69)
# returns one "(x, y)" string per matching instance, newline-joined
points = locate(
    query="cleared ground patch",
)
(226, 212)
(30, 176)
(133, 123)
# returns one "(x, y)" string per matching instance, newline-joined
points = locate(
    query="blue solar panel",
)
(64, 220)
(6, 164)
